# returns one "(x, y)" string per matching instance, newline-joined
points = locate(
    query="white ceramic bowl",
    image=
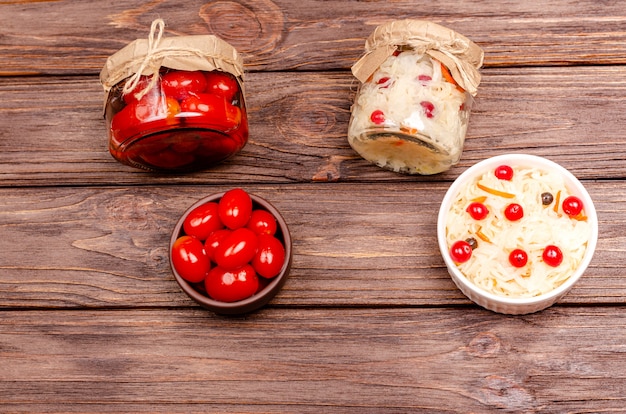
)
(492, 301)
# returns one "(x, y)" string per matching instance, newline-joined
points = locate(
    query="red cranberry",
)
(428, 108)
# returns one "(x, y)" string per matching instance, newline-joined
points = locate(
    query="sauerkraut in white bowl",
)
(516, 232)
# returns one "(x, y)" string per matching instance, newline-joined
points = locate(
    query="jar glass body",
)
(185, 120)
(410, 116)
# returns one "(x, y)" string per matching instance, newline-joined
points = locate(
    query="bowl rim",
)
(261, 297)
(518, 159)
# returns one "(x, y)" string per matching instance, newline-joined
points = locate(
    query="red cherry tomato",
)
(153, 107)
(514, 212)
(231, 285)
(461, 251)
(142, 84)
(236, 249)
(235, 208)
(213, 241)
(504, 172)
(478, 211)
(149, 112)
(125, 124)
(222, 84)
(131, 119)
(189, 259)
(233, 116)
(552, 256)
(157, 113)
(262, 222)
(203, 104)
(572, 206)
(179, 84)
(206, 108)
(202, 221)
(518, 258)
(270, 256)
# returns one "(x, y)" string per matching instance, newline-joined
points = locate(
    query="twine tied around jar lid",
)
(153, 43)
(147, 56)
(459, 54)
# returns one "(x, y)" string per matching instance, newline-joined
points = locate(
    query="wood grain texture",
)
(51, 129)
(307, 361)
(92, 320)
(285, 35)
(108, 247)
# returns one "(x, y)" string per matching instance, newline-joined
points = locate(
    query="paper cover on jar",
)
(147, 56)
(462, 56)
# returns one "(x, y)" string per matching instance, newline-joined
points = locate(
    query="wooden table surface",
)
(92, 320)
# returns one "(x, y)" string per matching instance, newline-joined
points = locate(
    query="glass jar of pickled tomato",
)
(412, 107)
(175, 104)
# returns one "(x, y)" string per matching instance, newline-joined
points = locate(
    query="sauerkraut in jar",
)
(411, 111)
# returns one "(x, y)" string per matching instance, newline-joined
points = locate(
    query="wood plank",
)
(284, 35)
(311, 360)
(52, 131)
(370, 244)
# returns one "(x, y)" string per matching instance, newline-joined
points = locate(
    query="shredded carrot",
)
(408, 130)
(557, 200)
(482, 235)
(495, 192)
(580, 217)
(480, 199)
(448, 77)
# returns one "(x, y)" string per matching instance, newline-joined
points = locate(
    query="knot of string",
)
(154, 38)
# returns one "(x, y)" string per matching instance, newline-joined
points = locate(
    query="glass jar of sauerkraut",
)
(411, 110)
(174, 104)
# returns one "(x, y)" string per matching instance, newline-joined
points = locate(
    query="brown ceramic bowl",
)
(268, 288)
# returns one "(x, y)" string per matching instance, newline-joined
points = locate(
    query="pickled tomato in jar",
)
(188, 120)
(174, 103)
